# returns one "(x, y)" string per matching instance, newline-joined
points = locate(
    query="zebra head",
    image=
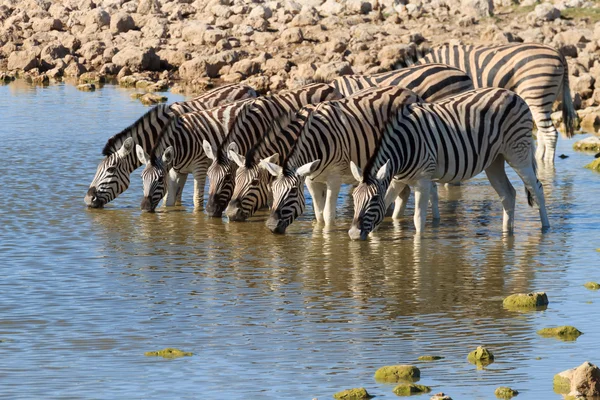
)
(154, 177)
(251, 188)
(369, 201)
(112, 177)
(221, 175)
(288, 194)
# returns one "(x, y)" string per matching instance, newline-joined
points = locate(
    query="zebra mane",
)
(412, 56)
(276, 126)
(114, 142)
(157, 161)
(311, 110)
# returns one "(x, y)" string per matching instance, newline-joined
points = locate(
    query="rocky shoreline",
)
(192, 45)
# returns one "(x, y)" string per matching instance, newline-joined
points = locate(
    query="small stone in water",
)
(353, 394)
(151, 98)
(592, 285)
(87, 87)
(480, 356)
(168, 353)
(406, 389)
(395, 373)
(526, 300)
(440, 396)
(504, 392)
(430, 358)
(561, 332)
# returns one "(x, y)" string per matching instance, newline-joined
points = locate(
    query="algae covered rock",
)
(526, 300)
(395, 373)
(504, 392)
(353, 394)
(591, 143)
(407, 389)
(594, 165)
(430, 358)
(581, 381)
(481, 356)
(592, 285)
(440, 396)
(561, 332)
(168, 353)
(150, 99)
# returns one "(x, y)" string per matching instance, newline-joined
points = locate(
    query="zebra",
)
(449, 141)
(335, 133)
(431, 81)
(249, 127)
(113, 173)
(535, 72)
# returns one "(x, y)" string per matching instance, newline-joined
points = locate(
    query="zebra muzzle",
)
(234, 212)
(276, 224)
(147, 204)
(91, 198)
(356, 233)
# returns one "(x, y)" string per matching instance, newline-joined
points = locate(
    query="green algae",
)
(481, 357)
(430, 358)
(534, 300)
(504, 392)
(395, 373)
(561, 384)
(592, 285)
(594, 165)
(566, 332)
(168, 353)
(353, 394)
(407, 389)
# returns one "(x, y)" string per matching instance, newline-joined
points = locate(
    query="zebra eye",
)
(255, 182)
(293, 191)
(111, 170)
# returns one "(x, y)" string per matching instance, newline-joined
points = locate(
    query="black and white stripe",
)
(449, 141)
(535, 72)
(113, 173)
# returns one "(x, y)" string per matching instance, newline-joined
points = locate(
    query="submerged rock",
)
(504, 392)
(526, 300)
(168, 353)
(594, 165)
(581, 381)
(592, 285)
(150, 99)
(353, 394)
(87, 87)
(430, 358)
(591, 143)
(481, 356)
(395, 373)
(406, 389)
(561, 332)
(440, 396)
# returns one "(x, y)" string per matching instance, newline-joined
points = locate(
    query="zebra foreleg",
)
(497, 176)
(199, 182)
(333, 190)
(434, 201)
(422, 190)
(180, 184)
(534, 189)
(318, 192)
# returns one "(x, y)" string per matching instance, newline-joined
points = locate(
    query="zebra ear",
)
(126, 148)
(239, 159)
(208, 149)
(271, 168)
(308, 168)
(168, 155)
(272, 159)
(233, 146)
(356, 171)
(383, 171)
(142, 155)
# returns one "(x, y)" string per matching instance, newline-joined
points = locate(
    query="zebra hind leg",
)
(422, 189)
(497, 176)
(402, 195)
(434, 201)
(547, 137)
(333, 190)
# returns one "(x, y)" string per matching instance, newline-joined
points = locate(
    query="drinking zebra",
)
(335, 133)
(179, 148)
(535, 72)
(251, 192)
(449, 141)
(249, 127)
(113, 173)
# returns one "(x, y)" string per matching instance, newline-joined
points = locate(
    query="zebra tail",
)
(568, 110)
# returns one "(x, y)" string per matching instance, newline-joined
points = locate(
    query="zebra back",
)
(213, 98)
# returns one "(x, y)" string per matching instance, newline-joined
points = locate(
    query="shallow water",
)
(86, 292)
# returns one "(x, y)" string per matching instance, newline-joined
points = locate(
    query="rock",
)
(359, 6)
(212, 36)
(260, 83)
(74, 69)
(332, 7)
(97, 18)
(591, 143)
(91, 77)
(261, 11)
(194, 68)
(24, 60)
(137, 59)
(292, 35)
(546, 12)
(148, 6)
(504, 392)
(572, 36)
(328, 72)
(168, 353)
(480, 356)
(352, 394)
(86, 87)
(245, 67)
(581, 381)
(92, 49)
(584, 85)
(589, 121)
(594, 165)
(430, 358)
(592, 285)
(389, 55)
(477, 8)
(307, 17)
(121, 22)
(526, 300)
(407, 389)
(53, 52)
(47, 25)
(395, 373)
(562, 332)
(440, 396)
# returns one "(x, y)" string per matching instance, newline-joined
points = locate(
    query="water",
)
(86, 292)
